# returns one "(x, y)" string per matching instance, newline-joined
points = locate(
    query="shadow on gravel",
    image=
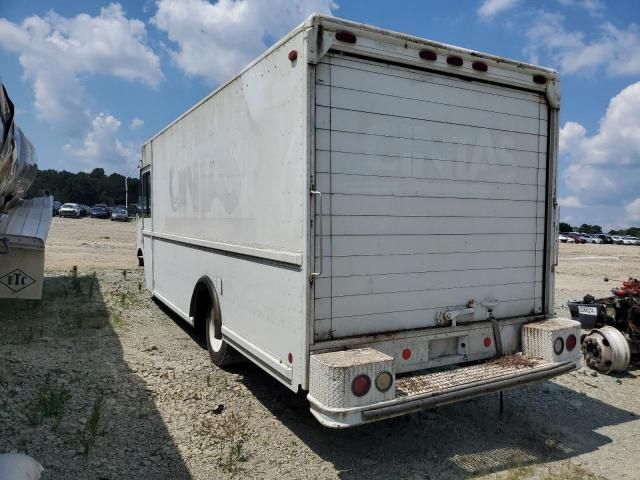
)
(67, 397)
(541, 423)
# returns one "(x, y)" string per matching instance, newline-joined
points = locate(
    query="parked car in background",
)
(629, 240)
(56, 208)
(119, 215)
(576, 237)
(591, 238)
(72, 210)
(617, 239)
(103, 205)
(99, 212)
(565, 239)
(605, 238)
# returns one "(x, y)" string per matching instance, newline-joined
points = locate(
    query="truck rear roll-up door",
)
(434, 194)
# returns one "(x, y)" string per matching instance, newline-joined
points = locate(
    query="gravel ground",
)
(98, 381)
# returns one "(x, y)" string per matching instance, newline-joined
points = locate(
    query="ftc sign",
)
(17, 280)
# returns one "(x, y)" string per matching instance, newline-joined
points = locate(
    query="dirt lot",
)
(98, 382)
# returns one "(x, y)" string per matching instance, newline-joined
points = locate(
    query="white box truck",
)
(358, 207)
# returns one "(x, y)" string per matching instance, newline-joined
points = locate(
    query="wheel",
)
(220, 352)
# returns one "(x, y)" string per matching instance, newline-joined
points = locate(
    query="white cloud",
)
(570, 202)
(616, 50)
(56, 53)
(101, 146)
(215, 40)
(136, 123)
(594, 7)
(633, 210)
(602, 169)
(491, 8)
(617, 141)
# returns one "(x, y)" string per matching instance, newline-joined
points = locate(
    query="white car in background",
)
(72, 210)
(617, 239)
(565, 239)
(630, 241)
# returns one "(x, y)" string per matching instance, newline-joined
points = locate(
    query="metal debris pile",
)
(614, 323)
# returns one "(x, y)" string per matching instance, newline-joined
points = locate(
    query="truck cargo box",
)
(359, 189)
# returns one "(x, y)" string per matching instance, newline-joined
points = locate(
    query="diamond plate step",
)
(440, 380)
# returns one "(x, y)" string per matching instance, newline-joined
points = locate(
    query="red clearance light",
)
(428, 55)
(571, 342)
(406, 353)
(487, 342)
(346, 37)
(361, 385)
(480, 66)
(290, 357)
(454, 60)
(293, 54)
(540, 79)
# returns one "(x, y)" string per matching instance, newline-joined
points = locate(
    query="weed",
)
(75, 280)
(116, 319)
(48, 402)
(92, 427)
(92, 284)
(233, 429)
(572, 471)
(518, 473)
(124, 274)
(208, 380)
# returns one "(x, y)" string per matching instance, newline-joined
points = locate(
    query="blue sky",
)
(92, 80)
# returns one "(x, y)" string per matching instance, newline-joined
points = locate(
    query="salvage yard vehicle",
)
(613, 324)
(629, 240)
(70, 210)
(119, 215)
(565, 239)
(368, 216)
(99, 212)
(24, 223)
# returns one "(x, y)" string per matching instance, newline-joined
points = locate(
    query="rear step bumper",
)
(432, 389)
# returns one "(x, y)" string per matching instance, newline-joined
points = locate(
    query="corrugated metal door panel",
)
(434, 195)
(367, 75)
(397, 282)
(349, 245)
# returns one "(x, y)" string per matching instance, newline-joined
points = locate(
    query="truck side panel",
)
(230, 202)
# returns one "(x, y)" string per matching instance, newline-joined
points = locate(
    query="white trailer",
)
(358, 207)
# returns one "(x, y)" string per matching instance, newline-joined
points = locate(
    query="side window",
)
(145, 201)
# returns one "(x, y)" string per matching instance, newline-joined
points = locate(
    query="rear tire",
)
(220, 352)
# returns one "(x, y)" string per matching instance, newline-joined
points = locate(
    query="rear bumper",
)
(400, 405)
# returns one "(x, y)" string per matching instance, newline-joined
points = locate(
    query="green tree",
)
(565, 227)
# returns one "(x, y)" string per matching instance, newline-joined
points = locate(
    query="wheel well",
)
(201, 303)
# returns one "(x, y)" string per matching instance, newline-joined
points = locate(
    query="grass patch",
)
(93, 425)
(48, 402)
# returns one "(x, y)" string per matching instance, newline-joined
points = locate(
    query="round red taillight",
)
(361, 385)
(454, 60)
(406, 353)
(571, 342)
(293, 54)
(346, 37)
(428, 55)
(487, 342)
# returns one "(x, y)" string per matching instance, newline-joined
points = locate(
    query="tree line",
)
(586, 228)
(84, 188)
